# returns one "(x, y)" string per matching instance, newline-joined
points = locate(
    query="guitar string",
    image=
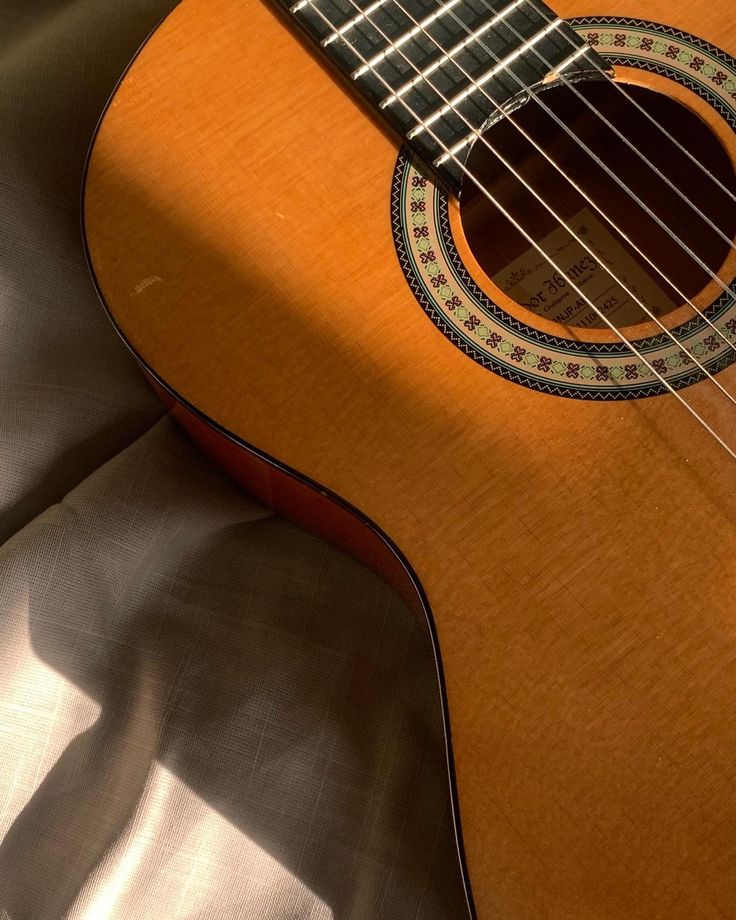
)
(621, 88)
(540, 250)
(508, 116)
(552, 211)
(582, 145)
(658, 172)
(569, 39)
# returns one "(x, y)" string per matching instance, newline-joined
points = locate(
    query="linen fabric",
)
(205, 712)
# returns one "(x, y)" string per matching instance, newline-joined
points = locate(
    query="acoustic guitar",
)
(451, 283)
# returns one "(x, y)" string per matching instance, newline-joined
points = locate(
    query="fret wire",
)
(473, 134)
(360, 31)
(412, 33)
(393, 17)
(630, 345)
(570, 59)
(351, 23)
(426, 125)
(424, 97)
(407, 44)
(468, 139)
(655, 169)
(551, 69)
(503, 64)
(456, 147)
(621, 89)
(611, 173)
(470, 136)
(448, 56)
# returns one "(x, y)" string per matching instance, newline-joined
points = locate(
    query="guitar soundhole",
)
(649, 222)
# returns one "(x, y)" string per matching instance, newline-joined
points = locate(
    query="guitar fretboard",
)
(440, 69)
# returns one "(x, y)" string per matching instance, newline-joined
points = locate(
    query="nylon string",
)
(610, 172)
(629, 192)
(627, 95)
(630, 345)
(541, 200)
(573, 183)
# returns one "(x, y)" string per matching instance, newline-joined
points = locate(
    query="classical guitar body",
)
(385, 361)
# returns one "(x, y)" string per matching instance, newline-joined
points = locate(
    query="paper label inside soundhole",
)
(533, 282)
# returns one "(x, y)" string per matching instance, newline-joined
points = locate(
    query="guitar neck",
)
(439, 71)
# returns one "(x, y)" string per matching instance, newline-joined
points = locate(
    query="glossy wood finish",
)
(516, 25)
(578, 557)
(305, 503)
